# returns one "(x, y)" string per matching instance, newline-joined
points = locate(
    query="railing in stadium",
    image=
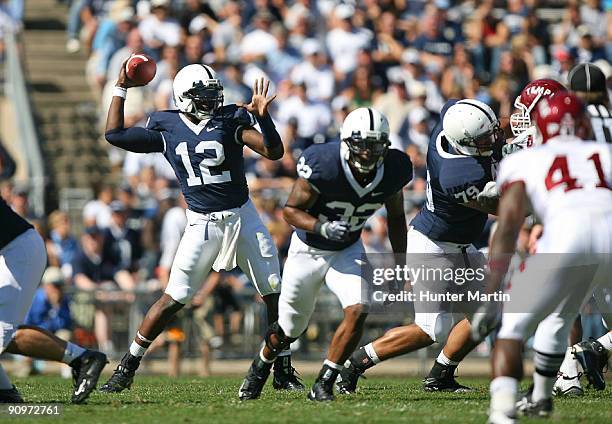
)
(16, 90)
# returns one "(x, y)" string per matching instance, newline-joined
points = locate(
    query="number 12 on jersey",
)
(206, 176)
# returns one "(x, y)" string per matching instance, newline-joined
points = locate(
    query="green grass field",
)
(213, 400)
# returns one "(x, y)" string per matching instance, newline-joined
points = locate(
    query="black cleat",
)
(322, 391)
(441, 378)
(593, 359)
(255, 380)
(10, 396)
(346, 383)
(285, 377)
(323, 388)
(123, 376)
(528, 408)
(86, 370)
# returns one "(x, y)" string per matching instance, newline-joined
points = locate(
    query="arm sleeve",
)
(136, 139)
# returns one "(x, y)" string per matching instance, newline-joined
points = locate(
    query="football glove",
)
(485, 319)
(508, 149)
(489, 191)
(335, 230)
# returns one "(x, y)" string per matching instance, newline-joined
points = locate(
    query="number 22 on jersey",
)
(206, 176)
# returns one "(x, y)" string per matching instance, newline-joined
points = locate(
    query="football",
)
(140, 68)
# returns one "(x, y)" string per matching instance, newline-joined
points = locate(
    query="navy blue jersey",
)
(452, 180)
(11, 224)
(341, 197)
(206, 157)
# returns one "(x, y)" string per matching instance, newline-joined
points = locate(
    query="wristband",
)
(119, 92)
(268, 130)
(317, 228)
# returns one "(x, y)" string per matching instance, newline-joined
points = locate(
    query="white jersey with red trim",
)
(565, 174)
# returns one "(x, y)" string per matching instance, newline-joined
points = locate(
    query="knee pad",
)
(283, 340)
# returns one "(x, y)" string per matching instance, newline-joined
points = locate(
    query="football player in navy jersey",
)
(461, 159)
(23, 259)
(340, 185)
(203, 142)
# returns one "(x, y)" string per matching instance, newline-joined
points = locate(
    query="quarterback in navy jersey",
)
(203, 141)
(340, 185)
(461, 191)
(23, 259)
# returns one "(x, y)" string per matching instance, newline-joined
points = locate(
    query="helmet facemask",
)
(366, 154)
(205, 99)
(520, 121)
(483, 145)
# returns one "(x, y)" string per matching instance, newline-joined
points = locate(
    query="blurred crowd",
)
(324, 58)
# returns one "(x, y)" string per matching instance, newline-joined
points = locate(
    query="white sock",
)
(72, 352)
(369, 350)
(333, 365)
(606, 341)
(569, 367)
(542, 387)
(137, 350)
(5, 383)
(503, 395)
(442, 359)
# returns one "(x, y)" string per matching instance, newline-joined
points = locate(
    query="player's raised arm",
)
(135, 139)
(268, 143)
(396, 222)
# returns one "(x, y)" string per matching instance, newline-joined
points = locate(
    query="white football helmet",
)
(197, 91)
(472, 128)
(366, 133)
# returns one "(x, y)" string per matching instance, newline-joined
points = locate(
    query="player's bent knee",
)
(168, 306)
(355, 312)
(180, 293)
(436, 326)
(276, 340)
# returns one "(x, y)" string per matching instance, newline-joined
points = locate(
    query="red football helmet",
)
(561, 114)
(528, 99)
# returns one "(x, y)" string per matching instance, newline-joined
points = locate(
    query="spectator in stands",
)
(284, 58)
(122, 247)
(312, 117)
(50, 310)
(51, 307)
(234, 90)
(345, 40)
(91, 274)
(97, 211)
(314, 72)
(258, 43)
(227, 35)
(109, 38)
(133, 45)
(62, 245)
(159, 28)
